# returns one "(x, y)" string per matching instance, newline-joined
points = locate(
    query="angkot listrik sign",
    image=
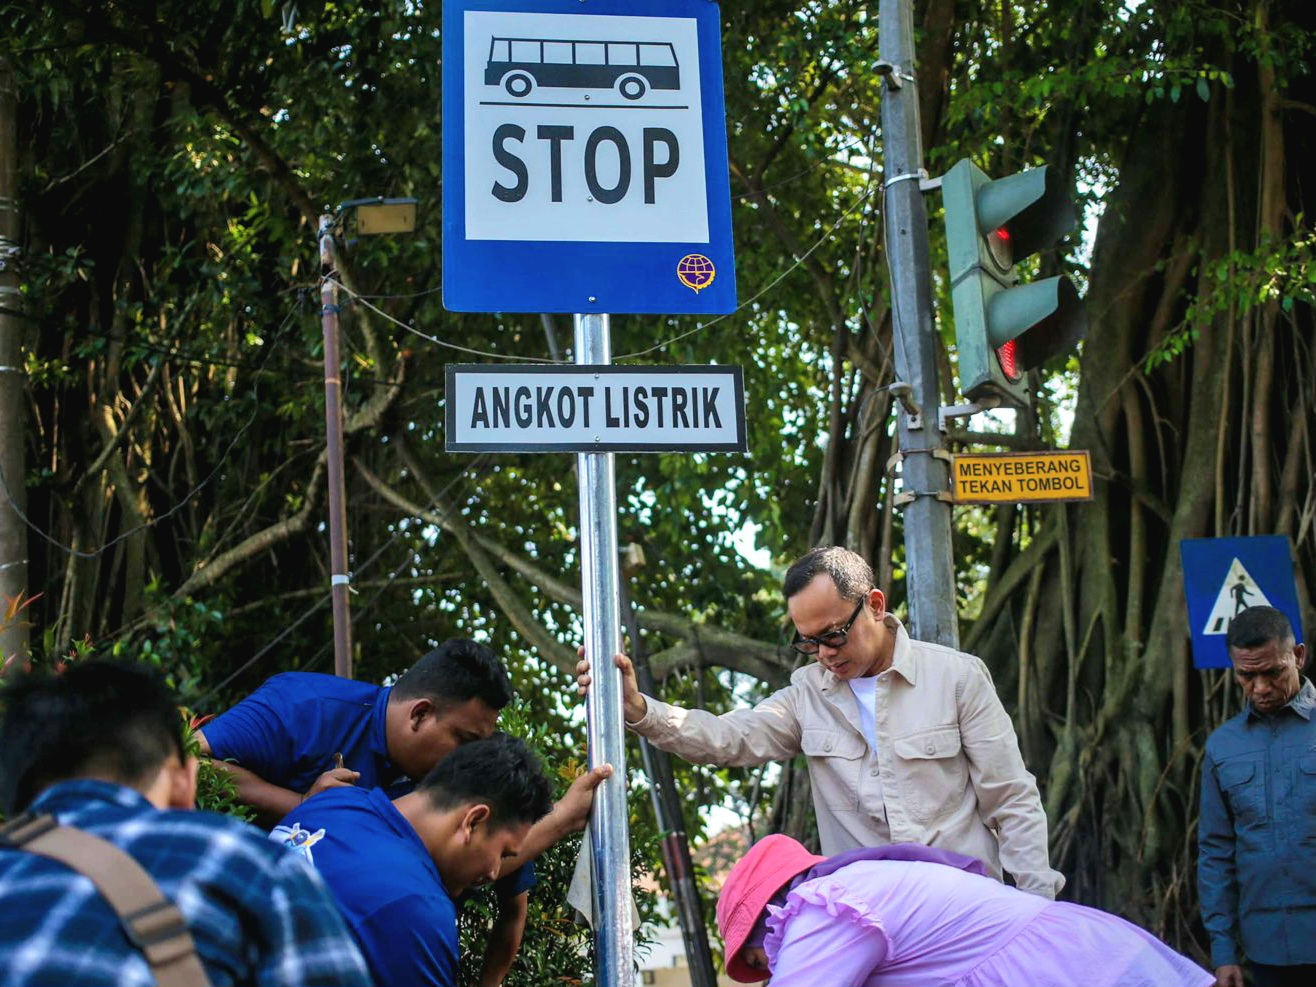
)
(594, 409)
(584, 158)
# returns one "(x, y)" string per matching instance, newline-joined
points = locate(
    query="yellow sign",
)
(1014, 477)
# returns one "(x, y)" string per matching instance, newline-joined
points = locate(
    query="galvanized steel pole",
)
(931, 570)
(610, 842)
(333, 420)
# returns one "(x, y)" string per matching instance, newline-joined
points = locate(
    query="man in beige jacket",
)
(906, 742)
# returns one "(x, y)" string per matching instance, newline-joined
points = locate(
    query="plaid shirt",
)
(258, 914)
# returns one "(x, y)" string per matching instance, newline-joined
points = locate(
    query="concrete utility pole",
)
(931, 579)
(13, 496)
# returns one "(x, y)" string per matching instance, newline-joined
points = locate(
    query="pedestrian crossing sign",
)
(1223, 577)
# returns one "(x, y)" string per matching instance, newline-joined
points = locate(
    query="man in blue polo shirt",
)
(302, 733)
(396, 866)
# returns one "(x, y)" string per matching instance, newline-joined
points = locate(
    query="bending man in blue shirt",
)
(283, 743)
(100, 748)
(396, 866)
(1256, 865)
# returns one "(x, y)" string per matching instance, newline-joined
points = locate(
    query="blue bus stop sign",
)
(584, 158)
(1223, 576)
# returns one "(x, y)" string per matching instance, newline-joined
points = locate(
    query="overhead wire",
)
(489, 354)
(868, 191)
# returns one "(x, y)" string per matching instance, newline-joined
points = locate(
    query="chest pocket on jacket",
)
(1243, 790)
(835, 759)
(1305, 796)
(932, 772)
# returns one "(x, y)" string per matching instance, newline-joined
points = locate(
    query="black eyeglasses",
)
(832, 639)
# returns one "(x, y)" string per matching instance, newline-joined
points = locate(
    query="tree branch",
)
(715, 645)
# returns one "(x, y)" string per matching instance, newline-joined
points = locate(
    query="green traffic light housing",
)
(1004, 329)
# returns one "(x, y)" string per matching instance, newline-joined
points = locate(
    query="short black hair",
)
(1258, 626)
(499, 771)
(456, 672)
(852, 576)
(109, 719)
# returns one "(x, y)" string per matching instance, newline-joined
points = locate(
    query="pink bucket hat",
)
(752, 883)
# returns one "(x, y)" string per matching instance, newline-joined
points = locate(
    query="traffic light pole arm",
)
(930, 582)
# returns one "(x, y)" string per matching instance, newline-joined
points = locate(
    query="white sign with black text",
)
(594, 409)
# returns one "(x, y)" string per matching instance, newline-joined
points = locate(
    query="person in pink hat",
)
(911, 916)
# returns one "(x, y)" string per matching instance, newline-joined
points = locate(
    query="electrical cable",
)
(443, 342)
(868, 191)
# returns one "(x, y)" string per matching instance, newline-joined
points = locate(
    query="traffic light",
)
(1003, 328)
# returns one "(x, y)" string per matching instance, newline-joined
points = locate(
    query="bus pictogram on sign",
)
(518, 65)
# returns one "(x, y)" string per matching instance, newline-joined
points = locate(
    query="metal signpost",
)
(1224, 576)
(585, 172)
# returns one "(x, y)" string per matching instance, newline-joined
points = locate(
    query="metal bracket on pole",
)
(909, 496)
(903, 393)
(921, 175)
(929, 184)
(893, 75)
(965, 410)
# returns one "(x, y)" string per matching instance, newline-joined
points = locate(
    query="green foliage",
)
(216, 791)
(556, 950)
(179, 639)
(1279, 273)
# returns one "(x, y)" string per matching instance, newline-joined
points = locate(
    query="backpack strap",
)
(151, 922)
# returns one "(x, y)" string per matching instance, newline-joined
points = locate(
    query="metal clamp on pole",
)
(907, 497)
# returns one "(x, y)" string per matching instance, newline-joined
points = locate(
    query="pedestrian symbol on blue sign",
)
(1223, 577)
(1238, 592)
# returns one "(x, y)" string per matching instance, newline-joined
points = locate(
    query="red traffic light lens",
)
(1009, 361)
(1000, 249)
